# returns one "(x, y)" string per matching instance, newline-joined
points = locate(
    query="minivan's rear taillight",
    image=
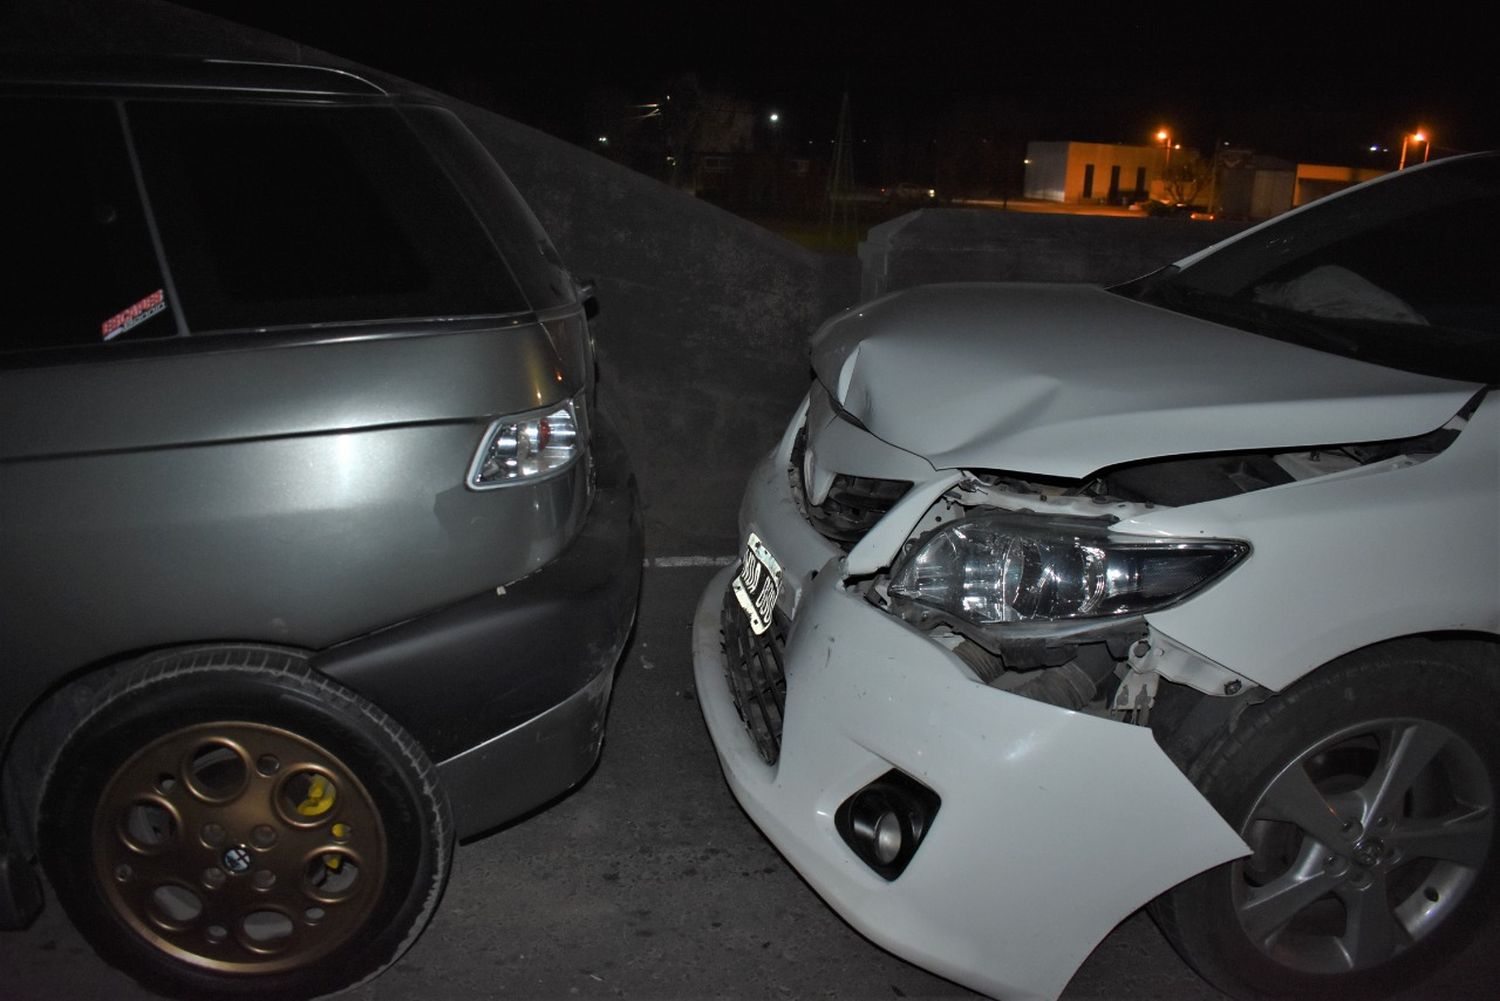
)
(531, 446)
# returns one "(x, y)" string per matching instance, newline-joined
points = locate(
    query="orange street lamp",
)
(1165, 138)
(1416, 137)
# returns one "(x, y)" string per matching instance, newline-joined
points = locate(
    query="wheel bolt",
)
(1382, 821)
(264, 836)
(1351, 829)
(1333, 865)
(213, 834)
(214, 877)
(123, 872)
(264, 879)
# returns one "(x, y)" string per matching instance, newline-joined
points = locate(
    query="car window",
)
(533, 260)
(81, 268)
(284, 215)
(1394, 273)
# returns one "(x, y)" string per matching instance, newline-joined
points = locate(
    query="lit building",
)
(1242, 184)
(1091, 173)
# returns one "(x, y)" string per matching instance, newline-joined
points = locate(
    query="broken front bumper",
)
(1053, 825)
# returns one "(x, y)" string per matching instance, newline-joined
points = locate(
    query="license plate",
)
(758, 584)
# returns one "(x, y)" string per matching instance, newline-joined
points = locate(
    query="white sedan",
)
(1058, 600)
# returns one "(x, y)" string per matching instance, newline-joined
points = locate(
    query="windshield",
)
(1397, 273)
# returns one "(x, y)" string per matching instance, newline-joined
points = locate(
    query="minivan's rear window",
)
(81, 268)
(533, 261)
(279, 215)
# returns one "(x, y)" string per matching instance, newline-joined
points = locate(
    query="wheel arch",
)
(1234, 750)
(37, 736)
(1185, 721)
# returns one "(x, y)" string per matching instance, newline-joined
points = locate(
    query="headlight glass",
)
(995, 568)
(528, 447)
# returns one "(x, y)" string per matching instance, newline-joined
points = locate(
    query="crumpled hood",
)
(1064, 380)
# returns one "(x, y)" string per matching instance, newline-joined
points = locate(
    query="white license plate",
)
(758, 584)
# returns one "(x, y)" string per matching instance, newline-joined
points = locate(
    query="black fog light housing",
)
(886, 821)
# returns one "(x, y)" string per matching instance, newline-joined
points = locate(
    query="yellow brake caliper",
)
(319, 798)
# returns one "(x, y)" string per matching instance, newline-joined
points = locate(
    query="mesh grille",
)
(853, 505)
(755, 666)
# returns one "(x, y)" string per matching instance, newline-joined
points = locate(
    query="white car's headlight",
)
(530, 446)
(995, 568)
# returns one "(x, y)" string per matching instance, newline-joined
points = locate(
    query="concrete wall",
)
(704, 316)
(943, 245)
(703, 325)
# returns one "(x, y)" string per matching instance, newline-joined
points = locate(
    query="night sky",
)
(1278, 78)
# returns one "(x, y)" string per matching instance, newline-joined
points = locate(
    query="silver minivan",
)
(317, 551)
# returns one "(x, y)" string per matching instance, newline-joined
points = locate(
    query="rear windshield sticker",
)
(134, 315)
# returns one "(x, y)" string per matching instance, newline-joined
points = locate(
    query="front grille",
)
(756, 669)
(853, 505)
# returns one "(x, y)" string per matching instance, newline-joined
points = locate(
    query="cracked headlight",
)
(995, 568)
(530, 447)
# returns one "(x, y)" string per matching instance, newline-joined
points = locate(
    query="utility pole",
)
(841, 174)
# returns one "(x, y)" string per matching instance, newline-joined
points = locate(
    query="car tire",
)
(227, 822)
(1367, 793)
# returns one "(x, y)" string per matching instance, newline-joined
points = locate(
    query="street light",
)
(1165, 138)
(775, 117)
(1416, 137)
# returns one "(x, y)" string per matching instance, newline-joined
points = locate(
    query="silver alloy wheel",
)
(1362, 845)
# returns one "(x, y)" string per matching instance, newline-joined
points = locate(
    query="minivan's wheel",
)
(227, 822)
(1367, 795)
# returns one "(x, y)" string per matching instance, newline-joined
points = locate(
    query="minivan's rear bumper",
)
(508, 690)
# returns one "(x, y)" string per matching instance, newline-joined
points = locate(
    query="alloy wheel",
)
(239, 848)
(1362, 845)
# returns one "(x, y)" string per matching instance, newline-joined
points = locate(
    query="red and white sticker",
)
(133, 315)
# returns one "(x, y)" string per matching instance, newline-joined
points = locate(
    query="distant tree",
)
(663, 134)
(609, 126)
(1186, 177)
(979, 147)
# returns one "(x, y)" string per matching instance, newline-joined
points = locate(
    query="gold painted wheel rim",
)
(239, 848)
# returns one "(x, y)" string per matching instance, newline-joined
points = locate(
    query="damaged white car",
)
(1059, 600)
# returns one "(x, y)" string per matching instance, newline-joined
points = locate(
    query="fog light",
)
(888, 837)
(885, 822)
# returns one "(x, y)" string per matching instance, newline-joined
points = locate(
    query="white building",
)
(1091, 173)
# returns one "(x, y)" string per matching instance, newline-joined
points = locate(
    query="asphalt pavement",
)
(649, 882)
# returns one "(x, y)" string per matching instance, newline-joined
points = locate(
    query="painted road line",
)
(669, 562)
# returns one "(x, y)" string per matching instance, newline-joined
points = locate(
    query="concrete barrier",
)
(946, 245)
